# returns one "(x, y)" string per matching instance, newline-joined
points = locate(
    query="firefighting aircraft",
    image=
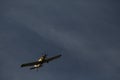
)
(41, 60)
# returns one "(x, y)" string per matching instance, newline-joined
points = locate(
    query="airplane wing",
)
(30, 64)
(52, 58)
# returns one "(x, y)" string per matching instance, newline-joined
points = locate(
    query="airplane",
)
(41, 60)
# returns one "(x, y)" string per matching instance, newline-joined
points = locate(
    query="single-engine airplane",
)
(41, 60)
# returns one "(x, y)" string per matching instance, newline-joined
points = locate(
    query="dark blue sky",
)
(85, 32)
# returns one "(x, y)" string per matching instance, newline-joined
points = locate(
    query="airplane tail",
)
(45, 55)
(32, 68)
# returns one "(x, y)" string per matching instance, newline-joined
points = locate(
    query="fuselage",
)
(41, 59)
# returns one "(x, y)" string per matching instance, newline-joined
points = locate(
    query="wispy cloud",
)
(88, 31)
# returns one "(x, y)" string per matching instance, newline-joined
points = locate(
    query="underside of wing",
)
(30, 64)
(52, 58)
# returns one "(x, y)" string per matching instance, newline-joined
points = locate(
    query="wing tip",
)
(22, 65)
(60, 55)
